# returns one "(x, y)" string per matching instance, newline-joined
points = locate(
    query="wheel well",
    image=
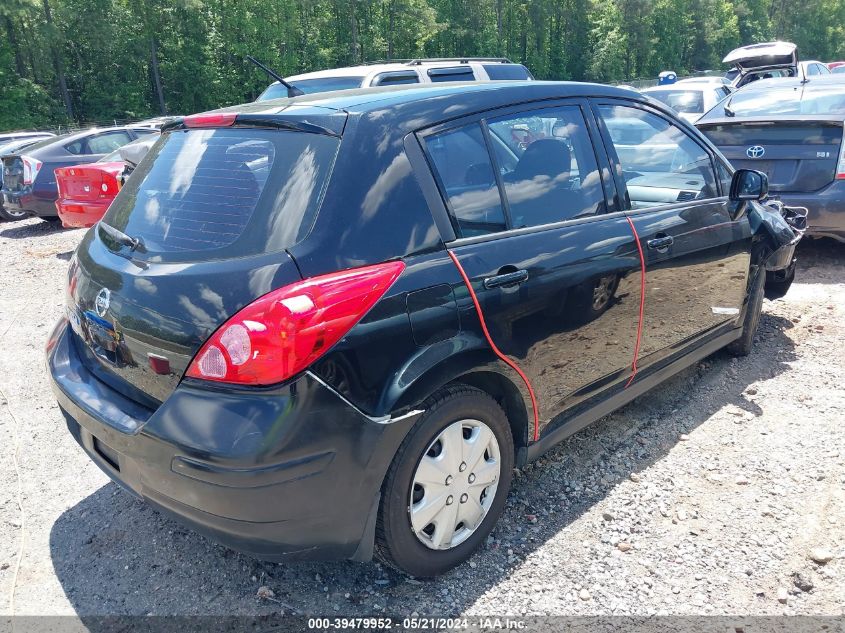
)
(509, 398)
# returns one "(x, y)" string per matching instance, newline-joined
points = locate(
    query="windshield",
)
(680, 100)
(310, 86)
(793, 100)
(224, 193)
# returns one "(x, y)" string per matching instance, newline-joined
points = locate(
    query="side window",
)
(75, 148)
(466, 178)
(499, 72)
(396, 78)
(812, 69)
(455, 73)
(107, 142)
(547, 164)
(725, 177)
(660, 163)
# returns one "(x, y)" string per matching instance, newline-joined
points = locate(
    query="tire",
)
(743, 345)
(424, 551)
(12, 216)
(779, 282)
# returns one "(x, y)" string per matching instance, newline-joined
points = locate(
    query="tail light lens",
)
(840, 166)
(108, 185)
(31, 167)
(282, 333)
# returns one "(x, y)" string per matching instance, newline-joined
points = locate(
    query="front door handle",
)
(507, 279)
(661, 242)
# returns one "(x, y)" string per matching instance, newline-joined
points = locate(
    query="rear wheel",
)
(447, 485)
(743, 345)
(11, 216)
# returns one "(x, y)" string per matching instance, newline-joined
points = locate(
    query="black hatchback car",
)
(330, 326)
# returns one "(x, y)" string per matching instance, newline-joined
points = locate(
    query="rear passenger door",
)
(557, 280)
(697, 255)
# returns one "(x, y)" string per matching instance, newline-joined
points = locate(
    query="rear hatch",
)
(766, 55)
(212, 212)
(796, 155)
(88, 183)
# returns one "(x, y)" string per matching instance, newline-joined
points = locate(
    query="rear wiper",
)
(122, 238)
(293, 91)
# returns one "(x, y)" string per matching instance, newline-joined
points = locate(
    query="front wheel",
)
(743, 345)
(447, 485)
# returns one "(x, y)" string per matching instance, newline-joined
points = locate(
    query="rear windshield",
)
(691, 101)
(310, 86)
(224, 193)
(798, 100)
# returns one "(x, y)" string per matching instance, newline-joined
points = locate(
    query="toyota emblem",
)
(755, 151)
(101, 303)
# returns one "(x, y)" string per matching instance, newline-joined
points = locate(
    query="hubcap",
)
(454, 484)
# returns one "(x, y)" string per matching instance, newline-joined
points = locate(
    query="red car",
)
(87, 190)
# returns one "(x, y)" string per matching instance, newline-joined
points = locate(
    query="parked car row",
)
(30, 186)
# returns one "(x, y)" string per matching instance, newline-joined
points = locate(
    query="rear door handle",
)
(507, 279)
(662, 242)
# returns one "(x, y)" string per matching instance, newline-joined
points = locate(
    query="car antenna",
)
(293, 91)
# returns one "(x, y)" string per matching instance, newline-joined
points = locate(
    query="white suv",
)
(414, 71)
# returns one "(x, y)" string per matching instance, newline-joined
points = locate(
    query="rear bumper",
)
(31, 202)
(826, 209)
(75, 214)
(288, 473)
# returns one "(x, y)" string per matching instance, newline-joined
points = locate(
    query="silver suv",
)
(408, 71)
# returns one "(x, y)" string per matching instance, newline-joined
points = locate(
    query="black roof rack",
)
(387, 61)
(462, 60)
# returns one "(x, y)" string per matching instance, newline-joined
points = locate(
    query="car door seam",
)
(510, 363)
(642, 302)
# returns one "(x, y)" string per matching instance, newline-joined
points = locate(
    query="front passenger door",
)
(697, 256)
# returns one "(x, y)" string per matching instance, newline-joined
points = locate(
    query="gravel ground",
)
(712, 495)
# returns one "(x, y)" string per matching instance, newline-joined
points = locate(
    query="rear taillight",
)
(840, 165)
(282, 333)
(218, 119)
(31, 167)
(108, 185)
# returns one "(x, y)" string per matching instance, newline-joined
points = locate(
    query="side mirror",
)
(748, 184)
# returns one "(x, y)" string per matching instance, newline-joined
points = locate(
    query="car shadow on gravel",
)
(28, 229)
(115, 555)
(820, 260)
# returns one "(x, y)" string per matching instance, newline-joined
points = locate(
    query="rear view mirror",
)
(748, 184)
